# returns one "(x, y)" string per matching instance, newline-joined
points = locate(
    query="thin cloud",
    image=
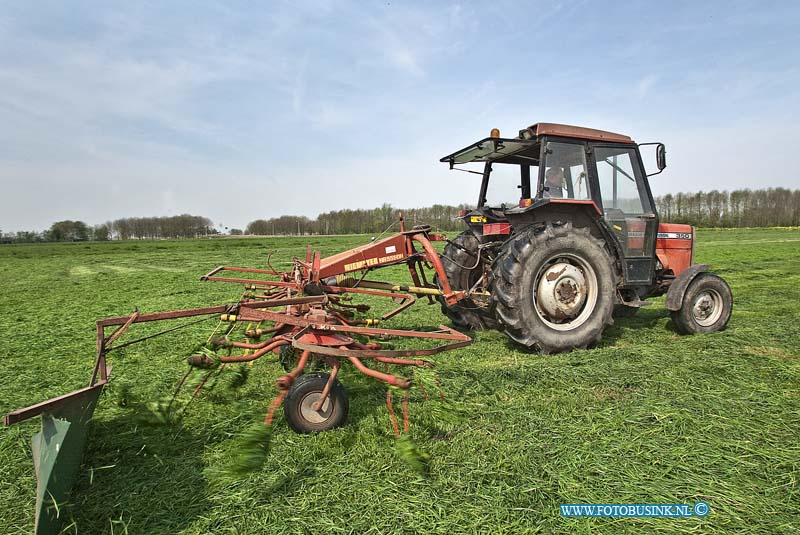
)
(105, 107)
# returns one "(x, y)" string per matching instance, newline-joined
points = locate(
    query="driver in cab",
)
(553, 183)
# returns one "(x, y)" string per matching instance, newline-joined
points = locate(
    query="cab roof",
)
(522, 146)
(579, 132)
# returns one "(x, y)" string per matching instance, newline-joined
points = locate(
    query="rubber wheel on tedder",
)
(554, 288)
(458, 257)
(304, 393)
(706, 306)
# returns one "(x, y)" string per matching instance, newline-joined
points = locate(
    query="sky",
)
(250, 110)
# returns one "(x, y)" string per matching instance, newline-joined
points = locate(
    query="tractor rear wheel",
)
(554, 288)
(463, 268)
(706, 306)
(298, 407)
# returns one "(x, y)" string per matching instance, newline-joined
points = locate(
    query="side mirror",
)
(661, 156)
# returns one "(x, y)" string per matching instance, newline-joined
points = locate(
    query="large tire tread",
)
(514, 309)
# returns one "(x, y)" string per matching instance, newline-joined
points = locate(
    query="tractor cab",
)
(553, 172)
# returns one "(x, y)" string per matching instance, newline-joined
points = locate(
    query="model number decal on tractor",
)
(675, 235)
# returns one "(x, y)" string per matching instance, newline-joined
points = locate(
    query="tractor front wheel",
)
(554, 288)
(305, 392)
(706, 306)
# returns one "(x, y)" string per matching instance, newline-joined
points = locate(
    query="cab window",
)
(625, 203)
(505, 184)
(565, 172)
(618, 185)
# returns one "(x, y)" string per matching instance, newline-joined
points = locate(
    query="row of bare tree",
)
(773, 207)
(181, 226)
(739, 208)
(361, 221)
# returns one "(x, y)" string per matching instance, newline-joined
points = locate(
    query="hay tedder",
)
(304, 316)
(580, 245)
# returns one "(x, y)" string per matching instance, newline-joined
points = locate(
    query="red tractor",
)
(581, 244)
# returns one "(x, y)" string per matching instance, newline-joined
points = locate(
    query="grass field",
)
(647, 417)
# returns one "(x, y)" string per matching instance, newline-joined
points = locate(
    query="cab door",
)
(627, 208)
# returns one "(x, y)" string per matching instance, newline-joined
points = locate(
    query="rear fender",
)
(579, 213)
(678, 287)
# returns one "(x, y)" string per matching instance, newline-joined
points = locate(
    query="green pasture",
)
(647, 417)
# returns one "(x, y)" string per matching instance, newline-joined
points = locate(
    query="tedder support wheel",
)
(457, 259)
(298, 407)
(706, 306)
(554, 288)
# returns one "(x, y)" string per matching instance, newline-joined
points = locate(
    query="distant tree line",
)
(773, 207)
(360, 221)
(65, 231)
(181, 226)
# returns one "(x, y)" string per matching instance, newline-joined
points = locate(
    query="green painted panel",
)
(57, 454)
